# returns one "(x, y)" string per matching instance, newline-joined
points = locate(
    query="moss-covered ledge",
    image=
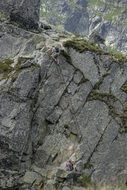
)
(81, 45)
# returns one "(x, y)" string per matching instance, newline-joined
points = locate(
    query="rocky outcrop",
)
(53, 111)
(25, 12)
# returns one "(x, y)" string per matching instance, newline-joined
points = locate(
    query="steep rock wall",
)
(51, 112)
(24, 12)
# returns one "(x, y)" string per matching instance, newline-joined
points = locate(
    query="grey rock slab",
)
(17, 126)
(51, 91)
(51, 185)
(17, 10)
(113, 164)
(65, 101)
(17, 41)
(86, 64)
(78, 77)
(8, 178)
(32, 177)
(71, 105)
(120, 78)
(10, 46)
(80, 96)
(110, 156)
(114, 81)
(28, 48)
(53, 145)
(93, 120)
(72, 88)
(55, 115)
(26, 83)
(7, 104)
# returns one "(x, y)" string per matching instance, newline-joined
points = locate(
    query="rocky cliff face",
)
(23, 12)
(51, 111)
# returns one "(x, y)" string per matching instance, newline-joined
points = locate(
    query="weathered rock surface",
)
(24, 12)
(52, 112)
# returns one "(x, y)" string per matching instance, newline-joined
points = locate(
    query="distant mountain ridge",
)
(82, 17)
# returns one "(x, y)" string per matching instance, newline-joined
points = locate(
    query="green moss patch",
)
(110, 100)
(3, 17)
(106, 97)
(5, 66)
(117, 55)
(82, 45)
(123, 117)
(122, 130)
(124, 87)
(84, 180)
(88, 165)
(21, 61)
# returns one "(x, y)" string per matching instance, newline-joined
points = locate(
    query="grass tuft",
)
(81, 45)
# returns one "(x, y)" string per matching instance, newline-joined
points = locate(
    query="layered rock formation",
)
(53, 111)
